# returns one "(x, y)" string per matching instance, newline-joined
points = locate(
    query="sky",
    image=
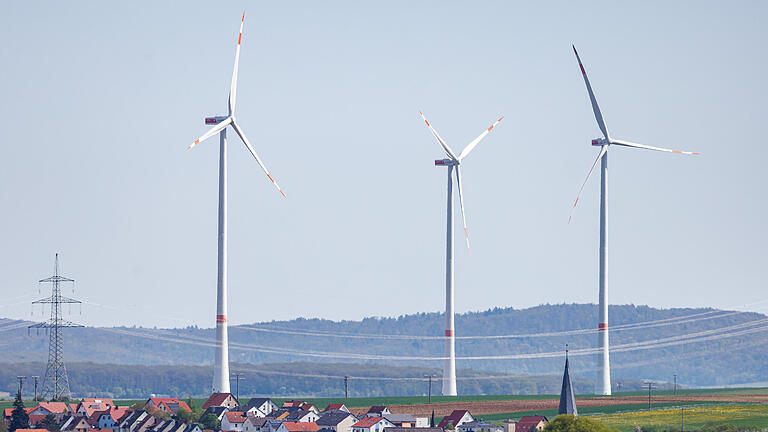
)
(99, 103)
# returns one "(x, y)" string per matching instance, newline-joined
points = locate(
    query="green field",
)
(754, 415)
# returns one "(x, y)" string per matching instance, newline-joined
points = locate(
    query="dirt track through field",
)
(508, 406)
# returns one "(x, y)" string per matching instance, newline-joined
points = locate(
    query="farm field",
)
(754, 415)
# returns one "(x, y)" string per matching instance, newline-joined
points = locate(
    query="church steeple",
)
(567, 399)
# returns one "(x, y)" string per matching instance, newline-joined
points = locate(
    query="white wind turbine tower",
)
(221, 371)
(603, 384)
(452, 162)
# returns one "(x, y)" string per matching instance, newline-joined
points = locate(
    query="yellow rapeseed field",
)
(755, 414)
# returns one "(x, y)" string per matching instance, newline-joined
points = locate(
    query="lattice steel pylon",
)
(55, 382)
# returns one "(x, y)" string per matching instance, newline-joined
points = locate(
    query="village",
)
(222, 412)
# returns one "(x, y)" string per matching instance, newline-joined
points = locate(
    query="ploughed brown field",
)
(506, 406)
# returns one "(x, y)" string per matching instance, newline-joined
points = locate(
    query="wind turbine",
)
(221, 370)
(603, 384)
(452, 162)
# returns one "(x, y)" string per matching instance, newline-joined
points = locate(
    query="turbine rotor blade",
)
(461, 204)
(447, 149)
(255, 156)
(602, 153)
(477, 140)
(211, 132)
(641, 146)
(595, 107)
(233, 85)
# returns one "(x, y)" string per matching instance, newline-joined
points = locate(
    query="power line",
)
(706, 335)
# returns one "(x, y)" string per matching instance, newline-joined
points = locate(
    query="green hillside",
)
(706, 361)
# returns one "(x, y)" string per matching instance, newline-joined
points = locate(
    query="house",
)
(32, 430)
(110, 419)
(168, 405)
(371, 424)
(378, 411)
(401, 420)
(336, 420)
(306, 406)
(271, 425)
(79, 424)
(456, 419)
(531, 424)
(233, 422)
(88, 406)
(259, 407)
(336, 407)
(220, 399)
(218, 411)
(480, 426)
(147, 424)
(302, 416)
(298, 427)
(128, 422)
(254, 424)
(52, 408)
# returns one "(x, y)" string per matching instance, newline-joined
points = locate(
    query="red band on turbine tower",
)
(602, 326)
(448, 333)
(221, 318)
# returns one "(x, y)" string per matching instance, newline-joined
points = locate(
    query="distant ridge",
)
(704, 363)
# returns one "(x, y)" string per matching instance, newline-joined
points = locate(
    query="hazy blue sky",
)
(99, 102)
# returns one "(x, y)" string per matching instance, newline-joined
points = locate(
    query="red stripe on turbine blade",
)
(448, 333)
(270, 177)
(239, 38)
(243, 20)
(602, 327)
(582, 69)
(282, 193)
(221, 318)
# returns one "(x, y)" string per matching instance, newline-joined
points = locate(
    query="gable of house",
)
(220, 399)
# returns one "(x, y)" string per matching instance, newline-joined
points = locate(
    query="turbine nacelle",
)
(215, 120)
(600, 142)
(445, 162)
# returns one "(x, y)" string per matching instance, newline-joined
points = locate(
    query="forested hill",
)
(701, 346)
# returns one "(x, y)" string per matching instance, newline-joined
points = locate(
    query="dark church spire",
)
(567, 399)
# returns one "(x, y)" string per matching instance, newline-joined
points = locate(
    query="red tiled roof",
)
(31, 430)
(55, 407)
(301, 426)
(235, 417)
(216, 399)
(366, 422)
(334, 407)
(293, 403)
